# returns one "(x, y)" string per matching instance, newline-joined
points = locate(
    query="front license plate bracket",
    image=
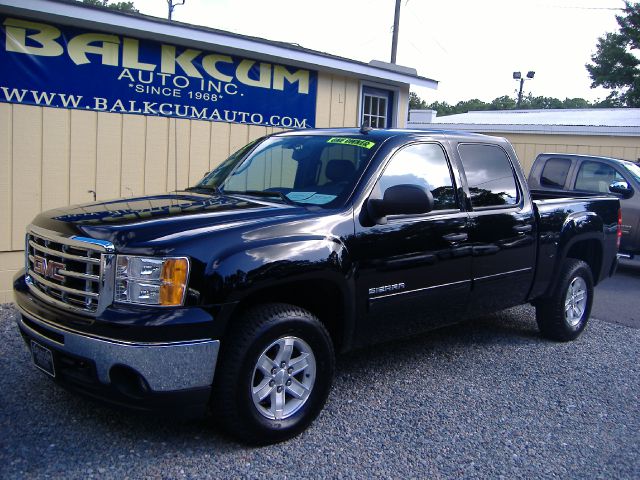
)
(43, 358)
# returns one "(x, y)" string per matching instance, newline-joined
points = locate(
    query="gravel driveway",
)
(486, 399)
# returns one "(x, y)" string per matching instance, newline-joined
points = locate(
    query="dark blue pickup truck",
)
(235, 294)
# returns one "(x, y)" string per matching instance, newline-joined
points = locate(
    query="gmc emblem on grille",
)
(47, 268)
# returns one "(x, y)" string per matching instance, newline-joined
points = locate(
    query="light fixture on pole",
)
(518, 76)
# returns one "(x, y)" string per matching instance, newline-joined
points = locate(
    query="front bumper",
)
(142, 375)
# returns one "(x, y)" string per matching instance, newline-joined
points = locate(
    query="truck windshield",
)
(633, 169)
(304, 169)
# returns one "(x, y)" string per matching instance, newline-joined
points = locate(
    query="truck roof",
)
(580, 155)
(384, 133)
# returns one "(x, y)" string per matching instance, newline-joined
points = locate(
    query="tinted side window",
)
(596, 177)
(425, 165)
(554, 173)
(489, 174)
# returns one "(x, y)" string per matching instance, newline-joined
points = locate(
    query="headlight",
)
(151, 281)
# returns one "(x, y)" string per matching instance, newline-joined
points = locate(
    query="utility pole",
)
(172, 5)
(396, 28)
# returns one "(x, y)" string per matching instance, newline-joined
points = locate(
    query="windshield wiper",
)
(204, 188)
(261, 193)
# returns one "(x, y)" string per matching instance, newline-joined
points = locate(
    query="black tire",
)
(555, 321)
(238, 373)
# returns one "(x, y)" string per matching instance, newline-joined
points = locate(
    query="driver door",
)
(414, 271)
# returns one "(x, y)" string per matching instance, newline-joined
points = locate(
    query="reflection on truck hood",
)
(126, 211)
(144, 218)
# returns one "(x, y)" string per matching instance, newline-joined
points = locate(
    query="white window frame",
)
(395, 104)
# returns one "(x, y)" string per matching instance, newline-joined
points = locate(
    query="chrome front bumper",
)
(166, 367)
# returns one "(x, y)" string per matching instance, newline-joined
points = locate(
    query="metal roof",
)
(587, 121)
(71, 12)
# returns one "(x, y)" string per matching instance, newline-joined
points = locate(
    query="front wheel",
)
(274, 374)
(564, 315)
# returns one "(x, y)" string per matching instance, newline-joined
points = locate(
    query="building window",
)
(377, 107)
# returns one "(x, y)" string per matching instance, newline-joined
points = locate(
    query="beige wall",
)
(52, 157)
(403, 108)
(338, 99)
(528, 146)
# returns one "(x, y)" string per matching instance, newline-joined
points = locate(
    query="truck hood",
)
(140, 220)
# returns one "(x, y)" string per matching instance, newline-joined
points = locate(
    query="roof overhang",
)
(152, 28)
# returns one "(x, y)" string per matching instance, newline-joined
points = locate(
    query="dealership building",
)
(98, 104)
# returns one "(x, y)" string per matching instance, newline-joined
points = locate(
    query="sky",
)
(471, 47)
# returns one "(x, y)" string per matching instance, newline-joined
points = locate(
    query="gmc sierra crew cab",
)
(234, 295)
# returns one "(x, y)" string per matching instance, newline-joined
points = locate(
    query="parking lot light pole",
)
(518, 76)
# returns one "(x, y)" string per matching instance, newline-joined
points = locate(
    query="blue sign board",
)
(58, 66)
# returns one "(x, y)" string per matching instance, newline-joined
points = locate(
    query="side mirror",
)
(401, 200)
(621, 188)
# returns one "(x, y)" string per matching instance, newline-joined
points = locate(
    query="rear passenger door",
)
(501, 228)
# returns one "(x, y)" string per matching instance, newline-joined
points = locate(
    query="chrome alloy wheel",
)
(575, 302)
(283, 378)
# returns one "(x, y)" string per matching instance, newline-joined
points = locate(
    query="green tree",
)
(471, 105)
(120, 6)
(576, 103)
(539, 103)
(415, 102)
(615, 64)
(443, 108)
(503, 103)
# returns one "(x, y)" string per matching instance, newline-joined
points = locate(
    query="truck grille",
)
(68, 272)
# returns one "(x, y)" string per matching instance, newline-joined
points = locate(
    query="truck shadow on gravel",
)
(629, 267)
(511, 328)
(73, 417)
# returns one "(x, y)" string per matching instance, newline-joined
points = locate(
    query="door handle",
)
(456, 237)
(523, 228)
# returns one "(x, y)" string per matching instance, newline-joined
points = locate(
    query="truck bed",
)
(561, 219)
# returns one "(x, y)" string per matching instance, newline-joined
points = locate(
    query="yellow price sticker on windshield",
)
(352, 141)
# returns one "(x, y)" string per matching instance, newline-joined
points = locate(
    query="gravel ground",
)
(486, 399)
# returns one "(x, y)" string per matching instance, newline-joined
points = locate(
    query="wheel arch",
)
(323, 297)
(581, 237)
(590, 252)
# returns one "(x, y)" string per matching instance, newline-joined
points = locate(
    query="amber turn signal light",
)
(174, 281)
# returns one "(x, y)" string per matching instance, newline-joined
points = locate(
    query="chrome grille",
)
(69, 272)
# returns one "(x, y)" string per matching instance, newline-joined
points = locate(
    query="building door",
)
(377, 107)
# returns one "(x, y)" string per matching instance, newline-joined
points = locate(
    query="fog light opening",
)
(129, 382)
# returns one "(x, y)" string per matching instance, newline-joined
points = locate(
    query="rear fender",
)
(577, 228)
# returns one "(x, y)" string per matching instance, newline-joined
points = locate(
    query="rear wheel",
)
(274, 374)
(564, 315)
